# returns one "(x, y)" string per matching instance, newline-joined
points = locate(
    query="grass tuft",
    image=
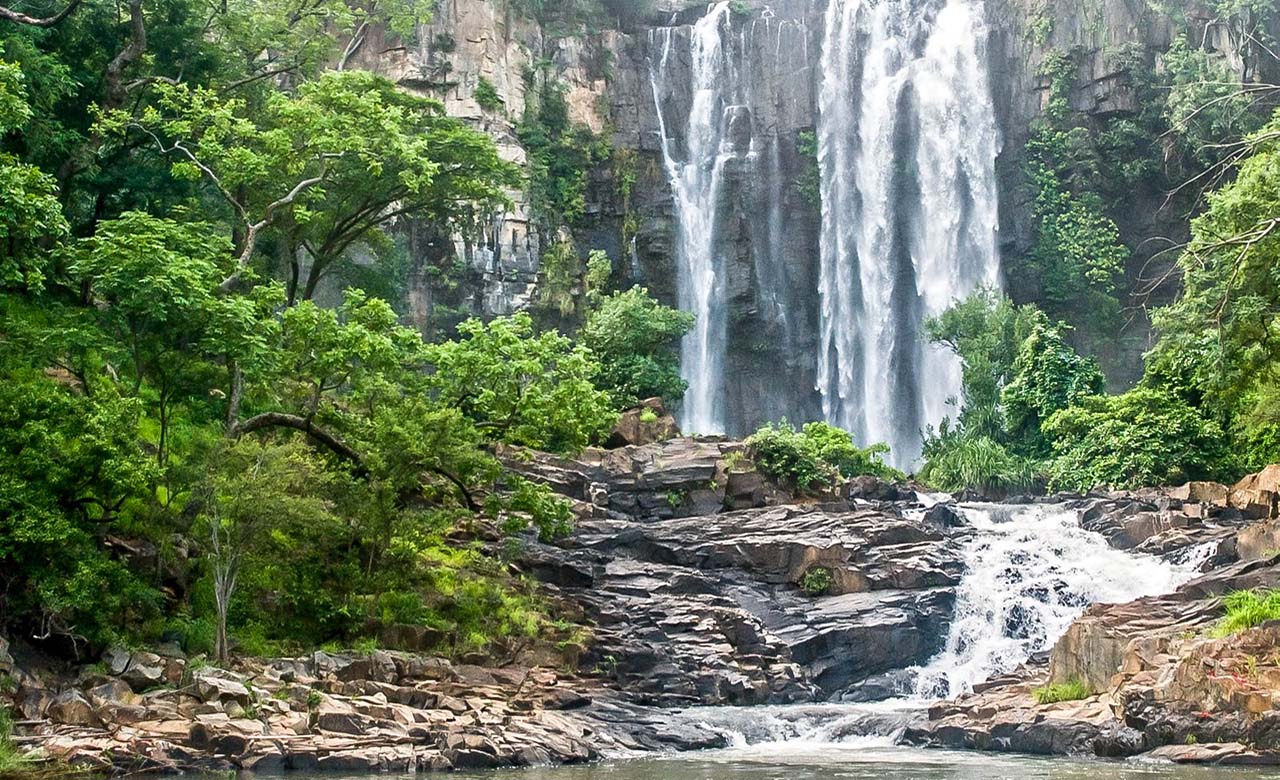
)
(1246, 609)
(1071, 690)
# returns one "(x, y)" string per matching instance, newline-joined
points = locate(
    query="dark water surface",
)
(848, 762)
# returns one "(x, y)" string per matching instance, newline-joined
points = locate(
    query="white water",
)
(907, 148)
(696, 179)
(1029, 572)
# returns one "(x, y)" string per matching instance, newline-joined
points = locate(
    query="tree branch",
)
(320, 436)
(34, 21)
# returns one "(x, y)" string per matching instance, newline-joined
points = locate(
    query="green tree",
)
(1144, 437)
(1048, 376)
(521, 388)
(637, 342)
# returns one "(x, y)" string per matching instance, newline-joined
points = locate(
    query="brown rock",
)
(72, 708)
(648, 423)
(1257, 495)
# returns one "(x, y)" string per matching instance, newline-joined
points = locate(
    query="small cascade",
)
(1030, 571)
(907, 148)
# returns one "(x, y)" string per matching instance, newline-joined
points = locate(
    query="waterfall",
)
(1029, 572)
(907, 148)
(720, 93)
(695, 185)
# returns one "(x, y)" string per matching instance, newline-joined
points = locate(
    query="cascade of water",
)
(696, 180)
(717, 93)
(907, 149)
(1030, 571)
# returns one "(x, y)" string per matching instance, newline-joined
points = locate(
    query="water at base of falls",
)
(1030, 570)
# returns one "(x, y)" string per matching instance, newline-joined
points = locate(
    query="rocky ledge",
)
(705, 584)
(381, 712)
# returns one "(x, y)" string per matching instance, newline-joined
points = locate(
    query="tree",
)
(1048, 376)
(521, 388)
(30, 215)
(1219, 342)
(328, 165)
(637, 342)
(254, 489)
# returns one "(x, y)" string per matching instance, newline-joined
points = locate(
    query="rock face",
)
(698, 603)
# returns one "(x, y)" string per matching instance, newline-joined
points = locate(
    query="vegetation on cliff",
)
(191, 447)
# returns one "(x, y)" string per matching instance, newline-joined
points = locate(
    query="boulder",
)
(210, 688)
(410, 638)
(6, 660)
(72, 708)
(1201, 493)
(1258, 495)
(647, 423)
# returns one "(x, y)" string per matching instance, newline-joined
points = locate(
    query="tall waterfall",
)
(907, 148)
(696, 180)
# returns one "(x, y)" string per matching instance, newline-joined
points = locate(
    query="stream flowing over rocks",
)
(691, 569)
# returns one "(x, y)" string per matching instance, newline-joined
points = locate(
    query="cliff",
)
(768, 227)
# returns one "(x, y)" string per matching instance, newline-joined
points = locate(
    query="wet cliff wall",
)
(768, 222)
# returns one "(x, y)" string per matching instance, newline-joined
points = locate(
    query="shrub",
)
(955, 460)
(635, 339)
(487, 96)
(1144, 437)
(648, 416)
(816, 581)
(784, 455)
(1071, 690)
(836, 448)
(816, 455)
(1246, 609)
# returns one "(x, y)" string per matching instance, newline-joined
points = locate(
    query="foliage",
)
(809, 180)
(1048, 376)
(1246, 609)
(533, 390)
(1206, 105)
(1071, 690)
(817, 455)
(1217, 346)
(12, 759)
(636, 340)
(958, 460)
(560, 154)
(987, 332)
(1076, 253)
(487, 97)
(816, 581)
(1144, 437)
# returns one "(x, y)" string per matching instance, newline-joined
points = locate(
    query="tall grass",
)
(1071, 690)
(12, 759)
(1246, 609)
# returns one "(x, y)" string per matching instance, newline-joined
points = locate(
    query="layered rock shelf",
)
(693, 573)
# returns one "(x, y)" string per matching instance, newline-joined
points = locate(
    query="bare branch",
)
(33, 21)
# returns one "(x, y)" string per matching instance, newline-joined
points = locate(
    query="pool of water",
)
(863, 762)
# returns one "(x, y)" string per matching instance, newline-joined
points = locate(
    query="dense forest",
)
(193, 449)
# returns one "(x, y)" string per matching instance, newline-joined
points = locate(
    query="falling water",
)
(907, 149)
(696, 181)
(1029, 572)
